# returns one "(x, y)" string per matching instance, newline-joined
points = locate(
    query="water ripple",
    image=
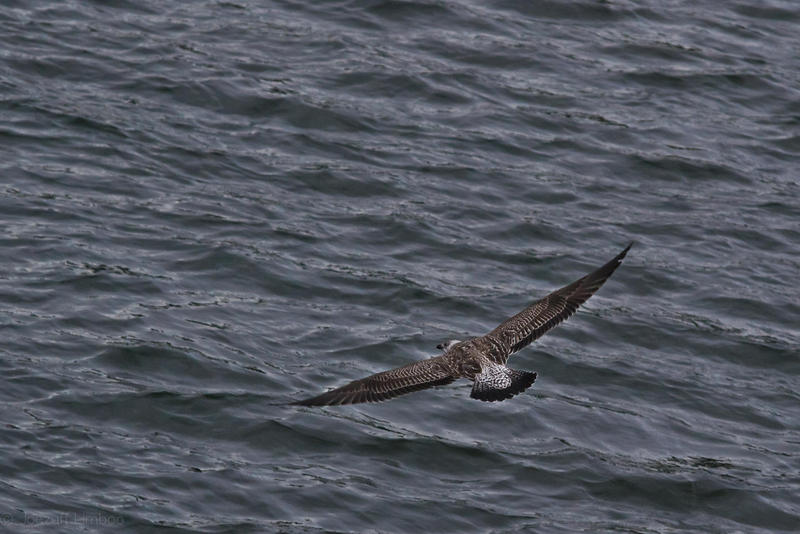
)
(210, 210)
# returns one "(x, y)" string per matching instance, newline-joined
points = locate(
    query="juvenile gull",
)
(480, 359)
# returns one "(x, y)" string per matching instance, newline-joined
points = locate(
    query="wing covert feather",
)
(543, 315)
(387, 384)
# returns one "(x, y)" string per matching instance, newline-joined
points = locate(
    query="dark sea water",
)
(211, 209)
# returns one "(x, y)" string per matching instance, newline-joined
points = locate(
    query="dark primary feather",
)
(382, 386)
(535, 320)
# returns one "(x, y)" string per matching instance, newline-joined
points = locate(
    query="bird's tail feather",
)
(498, 383)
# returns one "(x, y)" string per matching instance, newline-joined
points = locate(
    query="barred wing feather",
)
(386, 385)
(541, 316)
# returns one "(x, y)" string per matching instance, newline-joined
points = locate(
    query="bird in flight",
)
(480, 359)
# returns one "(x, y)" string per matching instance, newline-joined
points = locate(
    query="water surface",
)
(211, 209)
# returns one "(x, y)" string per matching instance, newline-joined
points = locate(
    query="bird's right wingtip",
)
(319, 400)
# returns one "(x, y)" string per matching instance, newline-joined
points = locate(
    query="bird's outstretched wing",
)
(535, 320)
(382, 386)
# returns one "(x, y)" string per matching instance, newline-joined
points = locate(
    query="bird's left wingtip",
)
(624, 252)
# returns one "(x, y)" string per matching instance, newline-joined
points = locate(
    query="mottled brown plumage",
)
(481, 359)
